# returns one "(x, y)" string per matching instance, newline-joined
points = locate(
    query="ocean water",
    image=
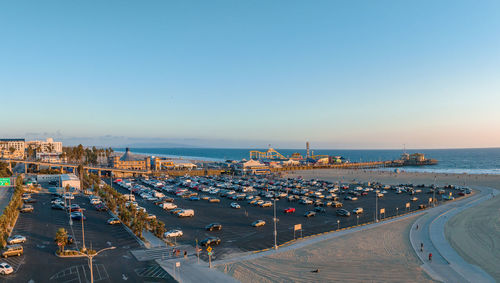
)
(471, 161)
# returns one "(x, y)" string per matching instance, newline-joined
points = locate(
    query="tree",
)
(61, 238)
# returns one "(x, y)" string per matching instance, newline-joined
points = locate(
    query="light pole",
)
(338, 224)
(397, 211)
(376, 206)
(90, 257)
(434, 193)
(357, 219)
(275, 231)
(83, 234)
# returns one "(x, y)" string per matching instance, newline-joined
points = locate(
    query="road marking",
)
(124, 277)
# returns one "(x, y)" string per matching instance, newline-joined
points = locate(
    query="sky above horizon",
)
(340, 74)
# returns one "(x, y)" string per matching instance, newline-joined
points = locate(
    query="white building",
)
(47, 146)
(12, 148)
(66, 179)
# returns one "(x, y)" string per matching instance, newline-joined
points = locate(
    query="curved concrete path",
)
(446, 264)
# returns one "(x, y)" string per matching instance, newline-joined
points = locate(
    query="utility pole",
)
(376, 206)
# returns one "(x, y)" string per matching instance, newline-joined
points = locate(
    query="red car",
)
(364, 193)
(289, 210)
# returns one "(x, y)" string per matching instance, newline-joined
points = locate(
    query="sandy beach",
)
(383, 254)
(380, 254)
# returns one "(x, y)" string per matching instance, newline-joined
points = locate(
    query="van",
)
(13, 250)
(186, 213)
(168, 205)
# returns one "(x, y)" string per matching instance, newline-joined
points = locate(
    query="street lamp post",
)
(338, 224)
(275, 231)
(397, 211)
(434, 193)
(357, 219)
(91, 258)
(376, 206)
(83, 234)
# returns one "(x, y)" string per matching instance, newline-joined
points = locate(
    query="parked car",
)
(77, 215)
(343, 212)
(337, 204)
(235, 205)
(173, 233)
(320, 209)
(210, 241)
(16, 239)
(57, 206)
(309, 214)
(27, 208)
(12, 250)
(289, 210)
(101, 207)
(213, 200)
(357, 210)
(5, 268)
(29, 200)
(213, 226)
(113, 221)
(414, 199)
(258, 223)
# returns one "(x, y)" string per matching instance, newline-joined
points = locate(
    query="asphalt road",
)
(40, 264)
(238, 235)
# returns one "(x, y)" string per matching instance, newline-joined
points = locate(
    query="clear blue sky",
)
(341, 74)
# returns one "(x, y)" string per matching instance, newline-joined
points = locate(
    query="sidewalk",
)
(190, 271)
(446, 265)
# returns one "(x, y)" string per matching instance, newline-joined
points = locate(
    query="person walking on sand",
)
(185, 254)
(421, 247)
(430, 256)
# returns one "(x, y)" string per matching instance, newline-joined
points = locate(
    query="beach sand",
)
(383, 254)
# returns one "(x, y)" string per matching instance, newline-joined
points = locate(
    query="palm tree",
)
(61, 238)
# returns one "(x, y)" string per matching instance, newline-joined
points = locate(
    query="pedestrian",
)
(185, 254)
(430, 256)
(173, 252)
(417, 227)
(421, 247)
(178, 252)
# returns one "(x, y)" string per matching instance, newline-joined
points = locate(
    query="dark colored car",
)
(320, 209)
(29, 200)
(343, 212)
(57, 206)
(101, 207)
(210, 241)
(213, 226)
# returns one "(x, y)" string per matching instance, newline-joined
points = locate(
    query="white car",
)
(235, 205)
(5, 268)
(173, 233)
(16, 239)
(95, 201)
(69, 196)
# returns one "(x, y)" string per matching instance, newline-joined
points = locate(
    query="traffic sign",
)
(209, 249)
(4, 182)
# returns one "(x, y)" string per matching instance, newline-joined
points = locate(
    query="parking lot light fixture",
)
(90, 257)
(338, 224)
(275, 231)
(357, 219)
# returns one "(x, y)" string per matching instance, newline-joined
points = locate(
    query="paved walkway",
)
(5, 195)
(189, 270)
(446, 264)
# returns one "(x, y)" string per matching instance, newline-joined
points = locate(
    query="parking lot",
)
(237, 233)
(40, 264)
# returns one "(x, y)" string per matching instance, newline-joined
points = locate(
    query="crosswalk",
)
(154, 271)
(160, 253)
(80, 273)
